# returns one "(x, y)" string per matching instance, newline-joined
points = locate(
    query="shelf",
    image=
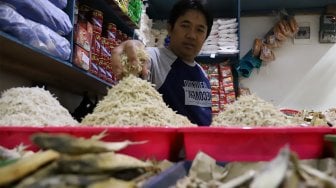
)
(113, 13)
(217, 58)
(38, 66)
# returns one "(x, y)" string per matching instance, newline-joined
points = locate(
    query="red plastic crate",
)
(254, 144)
(163, 143)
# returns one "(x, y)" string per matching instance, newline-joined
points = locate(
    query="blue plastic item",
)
(247, 63)
(32, 33)
(43, 12)
(170, 176)
(59, 3)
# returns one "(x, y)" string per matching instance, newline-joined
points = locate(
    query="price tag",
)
(212, 55)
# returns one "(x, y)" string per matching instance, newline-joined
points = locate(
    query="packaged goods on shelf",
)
(223, 38)
(32, 33)
(135, 10)
(81, 58)
(32, 106)
(222, 87)
(103, 37)
(43, 12)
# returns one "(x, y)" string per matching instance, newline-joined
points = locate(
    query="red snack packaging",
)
(81, 58)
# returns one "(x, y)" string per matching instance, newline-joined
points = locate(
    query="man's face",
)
(188, 35)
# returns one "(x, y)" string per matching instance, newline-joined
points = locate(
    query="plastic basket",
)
(162, 143)
(254, 144)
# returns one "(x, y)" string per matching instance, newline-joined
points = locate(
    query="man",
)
(181, 81)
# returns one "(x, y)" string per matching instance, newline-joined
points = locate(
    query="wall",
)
(294, 79)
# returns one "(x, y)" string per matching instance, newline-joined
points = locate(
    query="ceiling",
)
(159, 9)
(264, 6)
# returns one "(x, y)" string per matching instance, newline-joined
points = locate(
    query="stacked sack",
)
(39, 23)
(223, 38)
(148, 33)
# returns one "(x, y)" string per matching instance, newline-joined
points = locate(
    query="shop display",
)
(90, 168)
(223, 38)
(98, 39)
(249, 110)
(32, 107)
(134, 102)
(222, 87)
(285, 169)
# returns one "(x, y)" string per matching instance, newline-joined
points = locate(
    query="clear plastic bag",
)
(32, 33)
(59, 3)
(43, 12)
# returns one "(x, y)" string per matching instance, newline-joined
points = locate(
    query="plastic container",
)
(254, 144)
(163, 143)
(170, 176)
(290, 112)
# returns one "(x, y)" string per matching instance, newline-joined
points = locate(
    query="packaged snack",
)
(81, 58)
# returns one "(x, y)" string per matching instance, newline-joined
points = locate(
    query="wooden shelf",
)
(38, 66)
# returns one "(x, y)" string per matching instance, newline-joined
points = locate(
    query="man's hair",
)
(182, 6)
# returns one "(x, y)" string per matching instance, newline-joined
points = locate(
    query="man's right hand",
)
(129, 48)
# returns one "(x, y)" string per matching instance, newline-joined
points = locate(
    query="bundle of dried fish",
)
(66, 180)
(134, 102)
(81, 163)
(274, 172)
(65, 143)
(29, 106)
(112, 182)
(98, 163)
(128, 68)
(285, 170)
(249, 110)
(25, 166)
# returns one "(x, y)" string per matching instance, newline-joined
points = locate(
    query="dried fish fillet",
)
(24, 166)
(65, 143)
(38, 175)
(98, 163)
(112, 182)
(274, 172)
(66, 181)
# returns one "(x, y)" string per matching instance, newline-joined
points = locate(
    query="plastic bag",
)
(32, 33)
(44, 12)
(59, 3)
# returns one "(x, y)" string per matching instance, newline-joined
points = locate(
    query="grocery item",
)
(32, 107)
(129, 68)
(71, 145)
(249, 110)
(134, 102)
